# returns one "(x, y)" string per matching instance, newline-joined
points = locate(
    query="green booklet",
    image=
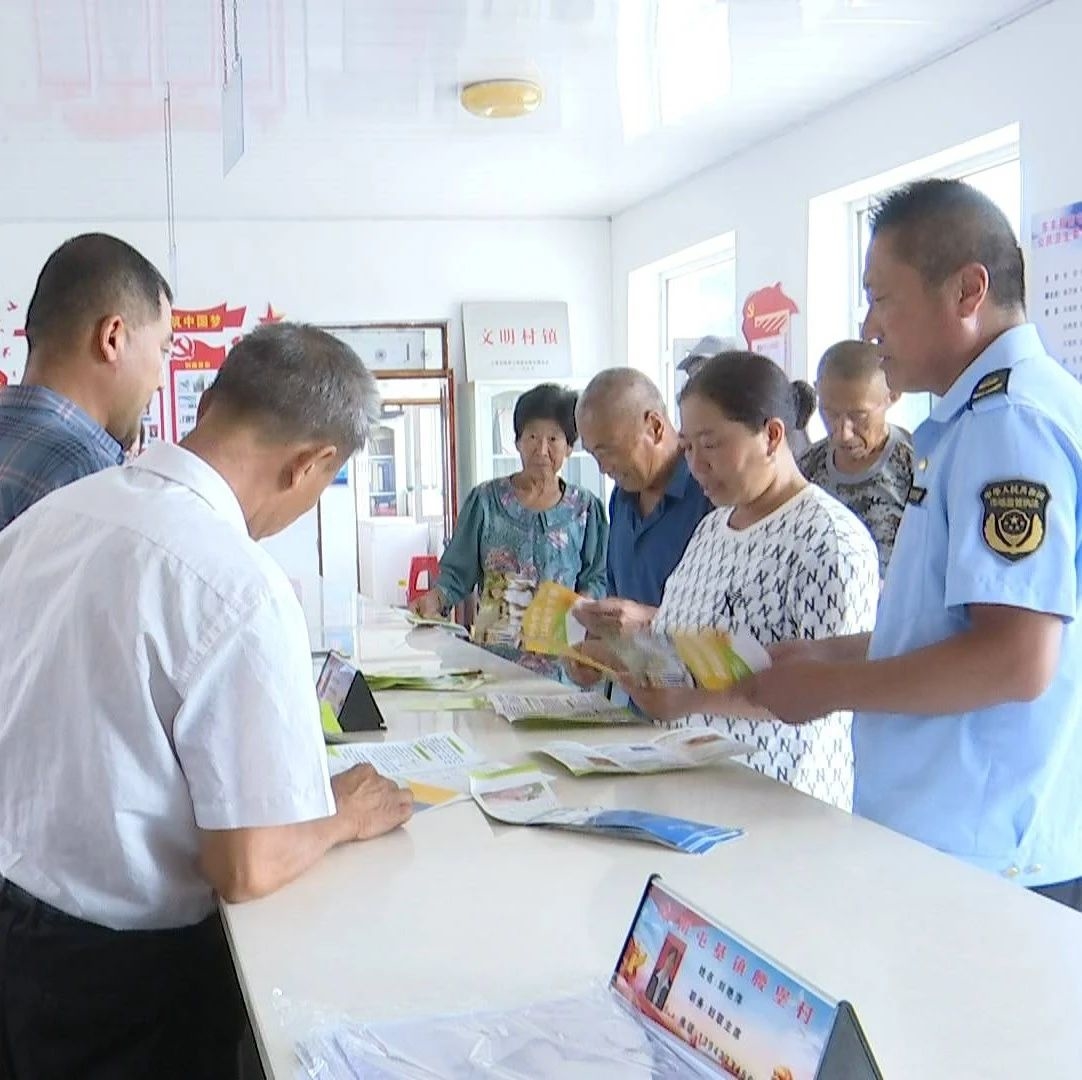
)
(441, 624)
(445, 680)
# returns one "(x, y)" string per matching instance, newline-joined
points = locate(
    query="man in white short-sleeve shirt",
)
(160, 739)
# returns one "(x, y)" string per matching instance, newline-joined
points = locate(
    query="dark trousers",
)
(1068, 893)
(78, 1000)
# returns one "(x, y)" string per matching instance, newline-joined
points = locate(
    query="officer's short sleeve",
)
(248, 736)
(1012, 498)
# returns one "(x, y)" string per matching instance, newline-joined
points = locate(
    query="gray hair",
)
(297, 382)
(623, 390)
(853, 361)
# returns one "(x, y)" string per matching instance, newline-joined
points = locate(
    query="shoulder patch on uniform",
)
(995, 382)
(1013, 521)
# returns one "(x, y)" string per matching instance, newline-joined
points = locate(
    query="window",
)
(675, 301)
(697, 300)
(999, 176)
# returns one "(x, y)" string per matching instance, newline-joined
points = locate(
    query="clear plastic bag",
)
(591, 1035)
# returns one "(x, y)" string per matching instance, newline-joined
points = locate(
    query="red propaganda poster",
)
(195, 361)
(212, 320)
(767, 325)
(191, 370)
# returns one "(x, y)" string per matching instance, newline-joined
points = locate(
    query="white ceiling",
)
(352, 110)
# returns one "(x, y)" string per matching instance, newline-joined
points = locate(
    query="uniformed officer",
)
(968, 733)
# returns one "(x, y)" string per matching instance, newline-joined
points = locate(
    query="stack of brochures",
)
(441, 624)
(445, 680)
(712, 659)
(523, 796)
(571, 707)
(684, 748)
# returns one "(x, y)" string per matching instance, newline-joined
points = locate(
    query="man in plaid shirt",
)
(99, 327)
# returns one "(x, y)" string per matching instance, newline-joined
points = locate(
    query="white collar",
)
(181, 466)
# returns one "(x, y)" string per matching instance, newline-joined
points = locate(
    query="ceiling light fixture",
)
(501, 99)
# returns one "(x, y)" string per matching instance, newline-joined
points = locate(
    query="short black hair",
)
(88, 278)
(804, 398)
(298, 382)
(939, 226)
(547, 402)
(751, 389)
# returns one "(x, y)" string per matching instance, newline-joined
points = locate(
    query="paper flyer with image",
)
(524, 796)
(572, 707)
(436, 767)
(683, 748)
(548, 625)
(713, 658)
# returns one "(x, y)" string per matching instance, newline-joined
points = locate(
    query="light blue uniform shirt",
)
(994, 517)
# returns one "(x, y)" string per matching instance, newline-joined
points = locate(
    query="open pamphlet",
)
(684, 748)
(436, 767)
(445, 680)
(523, 796)
(687, 998)
(712, 659)
(570, 707)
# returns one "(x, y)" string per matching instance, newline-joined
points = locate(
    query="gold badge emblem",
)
(995, 382)
(1014, 517)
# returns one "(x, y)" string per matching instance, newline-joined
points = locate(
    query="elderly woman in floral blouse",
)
(517, 531)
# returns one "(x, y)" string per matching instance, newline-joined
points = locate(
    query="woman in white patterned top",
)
(779, 557)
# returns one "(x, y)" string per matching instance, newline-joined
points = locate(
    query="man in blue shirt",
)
(968, 733)
(657, 503)
(99, 328)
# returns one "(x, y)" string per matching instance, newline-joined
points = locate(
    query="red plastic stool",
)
(428, 565)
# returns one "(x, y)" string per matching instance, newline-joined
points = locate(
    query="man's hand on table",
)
(370, 804)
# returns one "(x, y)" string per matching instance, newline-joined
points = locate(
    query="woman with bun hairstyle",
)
(805, 401)
(779, 558)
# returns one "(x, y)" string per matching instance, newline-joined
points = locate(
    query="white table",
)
(954, 973)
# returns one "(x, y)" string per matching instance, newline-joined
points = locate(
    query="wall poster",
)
(1055, 265)
(512, 340)
(767, 323)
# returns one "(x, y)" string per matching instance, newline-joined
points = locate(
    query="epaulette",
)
(991, 385)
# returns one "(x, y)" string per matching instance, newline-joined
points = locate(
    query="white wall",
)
(356, 271)
(362, 271)
(1025, 73)
(366, 271)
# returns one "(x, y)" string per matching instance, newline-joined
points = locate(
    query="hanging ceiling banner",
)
(233, 117)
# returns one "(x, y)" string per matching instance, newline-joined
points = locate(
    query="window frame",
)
(858, 210)
(724, 254)
(914, 408)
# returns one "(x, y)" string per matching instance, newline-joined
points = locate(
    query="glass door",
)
(400, 493)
